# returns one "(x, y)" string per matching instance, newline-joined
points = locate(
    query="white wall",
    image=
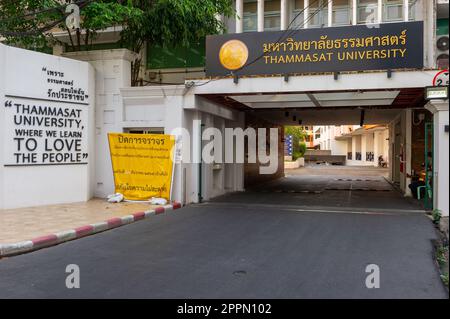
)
(24, 80)
(112, 72)
(121, 107)
(364, 142)
(173, 108)
(2, 120)
(441, 155)
(338, 147)
(395, 174)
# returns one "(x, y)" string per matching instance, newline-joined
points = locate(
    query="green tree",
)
(30, 23)
(302, 149)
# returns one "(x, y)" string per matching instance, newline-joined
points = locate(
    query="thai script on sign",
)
(67, 91)
(302, 51)
(324, 43)
(141, 140)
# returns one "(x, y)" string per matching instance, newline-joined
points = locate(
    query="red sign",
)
(441, 78)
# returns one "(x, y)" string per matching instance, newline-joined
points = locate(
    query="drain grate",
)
(357, 189)
(357, 180)
(239, 273)
(289, 191)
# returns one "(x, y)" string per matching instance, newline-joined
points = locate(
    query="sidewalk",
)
(26, 229)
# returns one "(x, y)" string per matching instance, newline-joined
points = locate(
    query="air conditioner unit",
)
(442, 51)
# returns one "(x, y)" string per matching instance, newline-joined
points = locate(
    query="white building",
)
(362, 146)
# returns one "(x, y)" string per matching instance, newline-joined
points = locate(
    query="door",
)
(397, 153)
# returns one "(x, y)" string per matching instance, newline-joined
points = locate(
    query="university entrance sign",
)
(352, 48)
(47, 129)
(46, 105)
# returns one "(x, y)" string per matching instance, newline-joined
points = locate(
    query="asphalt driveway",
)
(238, 251)
(349, 192)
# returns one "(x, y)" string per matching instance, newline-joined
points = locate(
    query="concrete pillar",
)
(354, 148)
(407, 150)
(207, 171)
(306, 14)
(239, 168)
(441, 156)
(380, 11)
(391, 154)
(370, 146)
(330, 13)
(354, 12)
(219, 157)
(385, 145)
(284, 14)
(113, 71)
(58, 49)
(406, 10)
(376, 148)
(260, 15)
(429, 18)
(404, 159)
(194, 182)
(240, 16)
(364, 141)
(174, 118)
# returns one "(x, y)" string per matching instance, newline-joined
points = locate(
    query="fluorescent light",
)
(436, 93)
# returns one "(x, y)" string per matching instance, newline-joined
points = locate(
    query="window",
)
(97, 46)
(272, 18)
(299, 6)
(152, 130)
(392, 10)
(176, 57)
(341, 12)
(367, 11)
(250, 19)
(318, 14)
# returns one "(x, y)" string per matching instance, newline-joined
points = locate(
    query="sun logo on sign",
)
(233, 54)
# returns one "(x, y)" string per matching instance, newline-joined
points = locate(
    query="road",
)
(238, 247)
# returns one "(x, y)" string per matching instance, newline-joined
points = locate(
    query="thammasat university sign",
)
(353, 48)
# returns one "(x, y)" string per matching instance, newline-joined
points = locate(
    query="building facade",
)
(388, 98)
(363, 146)
(176, 64)
(183, 98)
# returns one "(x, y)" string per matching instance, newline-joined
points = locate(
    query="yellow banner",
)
(142, 164)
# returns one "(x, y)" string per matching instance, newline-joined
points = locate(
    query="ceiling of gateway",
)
(338, 99)
(338, 108)
(328, 116)
(324, 108)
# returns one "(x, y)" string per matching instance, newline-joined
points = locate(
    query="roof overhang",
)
(321, 99)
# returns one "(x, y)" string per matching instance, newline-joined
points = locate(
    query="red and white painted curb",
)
(79, 232)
